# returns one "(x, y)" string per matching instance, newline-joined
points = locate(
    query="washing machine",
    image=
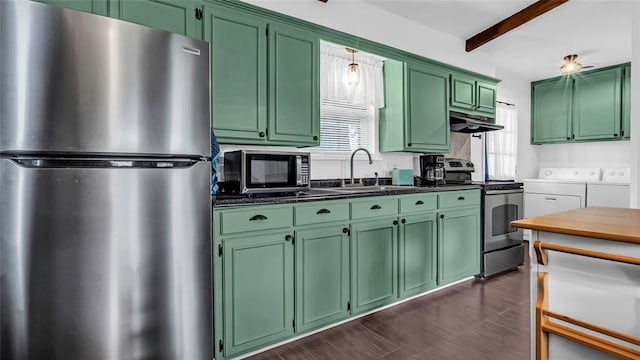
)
(556, 190)
(612, 191)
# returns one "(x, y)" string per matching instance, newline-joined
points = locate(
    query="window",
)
(502, 145)
(348, 112)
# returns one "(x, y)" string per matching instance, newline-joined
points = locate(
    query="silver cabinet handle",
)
(550, 198)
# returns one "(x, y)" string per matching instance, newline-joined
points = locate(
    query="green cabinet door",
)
(175, 16)
(100, 7)
(238, 75)
(551, 110)
(257, 291)
(626, 102)
(294, 87)
(458, 245)
(322, 276)
(427, 127)
(463, 92)
(597, 109)
(486, 98)
(417, 254)
(373, 264)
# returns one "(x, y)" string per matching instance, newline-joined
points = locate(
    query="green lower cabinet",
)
(175, 16)
(458, 244)
(322, 276)
(373, 264)
(257, 291)
(100, 7)
(417, 254)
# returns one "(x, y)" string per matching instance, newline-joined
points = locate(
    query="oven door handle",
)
(500, 192)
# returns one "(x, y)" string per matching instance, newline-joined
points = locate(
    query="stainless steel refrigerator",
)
(105, 240)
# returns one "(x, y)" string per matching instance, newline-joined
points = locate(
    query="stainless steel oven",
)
(502, 247)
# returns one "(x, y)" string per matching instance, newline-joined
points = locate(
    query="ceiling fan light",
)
(571, 65)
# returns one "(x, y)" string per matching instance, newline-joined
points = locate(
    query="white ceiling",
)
(599, 31)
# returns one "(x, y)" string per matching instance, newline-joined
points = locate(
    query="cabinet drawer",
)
(257, 218)
(324, 211)
(458, 199)
(374, 207)
(418, 203)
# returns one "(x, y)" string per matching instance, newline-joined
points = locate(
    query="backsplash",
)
(460, 146)
(330, 166)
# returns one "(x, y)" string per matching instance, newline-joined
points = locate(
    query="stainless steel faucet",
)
(353, 154)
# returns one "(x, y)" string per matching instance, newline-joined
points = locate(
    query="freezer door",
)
(77, 82)
(105, 263)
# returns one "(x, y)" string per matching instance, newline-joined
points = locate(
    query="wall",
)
(370, 22)
(515, 90)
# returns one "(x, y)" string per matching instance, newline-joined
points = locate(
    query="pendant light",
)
(571, 65)
(353, 72)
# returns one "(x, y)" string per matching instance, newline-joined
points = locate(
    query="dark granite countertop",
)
(320, 194)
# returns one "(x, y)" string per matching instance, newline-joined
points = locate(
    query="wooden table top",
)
(617, 224)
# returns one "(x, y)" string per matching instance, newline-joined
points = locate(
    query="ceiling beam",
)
(521, 17)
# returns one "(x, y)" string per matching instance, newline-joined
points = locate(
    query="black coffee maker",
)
(432, 170)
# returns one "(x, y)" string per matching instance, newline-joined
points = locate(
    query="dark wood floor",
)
(478, 319)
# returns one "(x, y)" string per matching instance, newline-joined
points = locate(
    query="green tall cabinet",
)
(265, 79)
(416, 113)
(373, 263)
(100, 7)
(257, 291)
(322, 276)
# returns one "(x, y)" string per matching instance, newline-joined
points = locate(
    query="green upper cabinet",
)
(294, 87)
(597, 104)
(587, 106)
(417, 254)
(551, 110)
(416, 113)
(264, 78)
(374, 263)
(175, 16)
(486, 98)
(322, 276)
(239, 72)
(458, 244)
(257, 291)
(473, 96)
(100, 7)
(626, 102)
(463, 92)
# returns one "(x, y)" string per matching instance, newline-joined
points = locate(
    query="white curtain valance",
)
(334, 63)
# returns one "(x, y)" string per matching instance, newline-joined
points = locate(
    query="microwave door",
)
(265, 171)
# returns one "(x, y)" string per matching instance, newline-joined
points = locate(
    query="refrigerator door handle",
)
(103, 163)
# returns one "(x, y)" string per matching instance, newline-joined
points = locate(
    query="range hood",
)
(465, 123)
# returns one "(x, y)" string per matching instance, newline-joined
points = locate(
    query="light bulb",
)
(570, 65)
(353, 75)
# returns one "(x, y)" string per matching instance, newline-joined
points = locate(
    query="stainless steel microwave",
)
(254, 171)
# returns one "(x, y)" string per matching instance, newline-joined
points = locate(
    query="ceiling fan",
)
(571, 65)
